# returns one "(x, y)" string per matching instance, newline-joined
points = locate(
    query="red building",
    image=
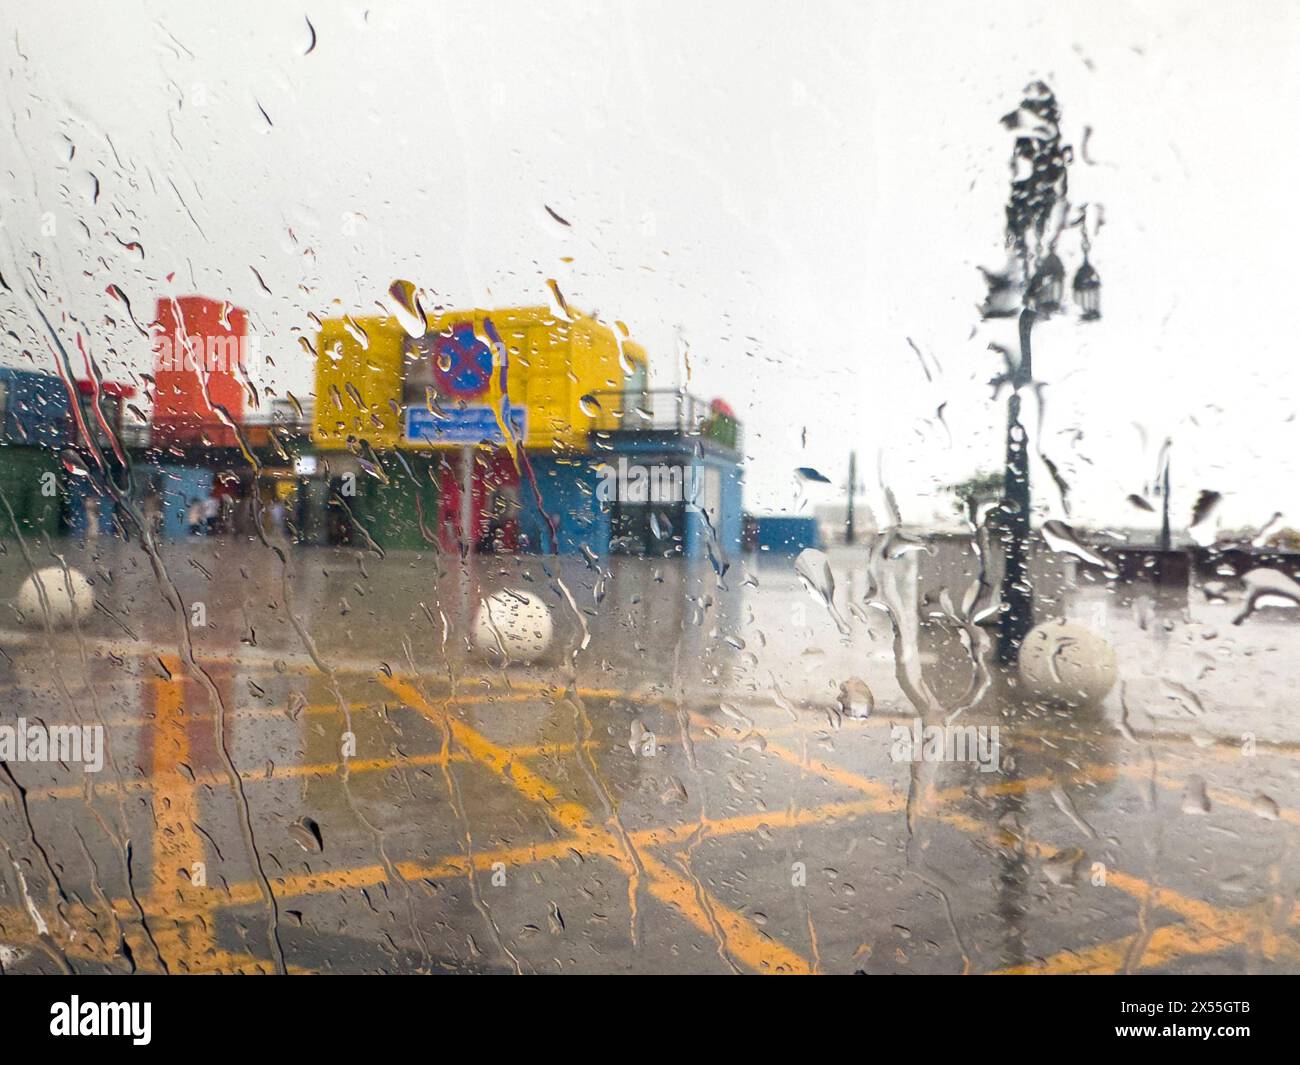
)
(200, 360)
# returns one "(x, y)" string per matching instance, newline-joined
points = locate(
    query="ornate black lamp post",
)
(1032, 287)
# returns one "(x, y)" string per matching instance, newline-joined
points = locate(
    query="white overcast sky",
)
(773, 196)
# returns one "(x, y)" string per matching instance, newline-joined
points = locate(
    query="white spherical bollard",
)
(64, 608)
(856, 700)
(514, 622)
(1067, 663)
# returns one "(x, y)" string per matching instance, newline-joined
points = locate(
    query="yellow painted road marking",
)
(216, 779)
(742, 938)
(288, 887)
(1166, 944)
(179, 865)
(1206, 917)
(1211, 929)
(884, 800)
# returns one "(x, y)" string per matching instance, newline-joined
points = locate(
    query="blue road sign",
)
(462, 362)
(471, 425)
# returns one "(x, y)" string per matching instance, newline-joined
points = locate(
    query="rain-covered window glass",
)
(617, 488)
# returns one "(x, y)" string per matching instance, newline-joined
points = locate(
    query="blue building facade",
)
(782, 534)
(670, 493)
(658, 488)
(568, 487)
(34, 409)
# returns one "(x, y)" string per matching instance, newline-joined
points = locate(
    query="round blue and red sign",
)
(462, 362)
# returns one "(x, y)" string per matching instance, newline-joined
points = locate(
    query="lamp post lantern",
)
(1031, 287)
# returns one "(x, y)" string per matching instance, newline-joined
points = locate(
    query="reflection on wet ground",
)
(335, 783)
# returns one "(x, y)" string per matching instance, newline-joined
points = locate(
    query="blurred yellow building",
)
(376, 382)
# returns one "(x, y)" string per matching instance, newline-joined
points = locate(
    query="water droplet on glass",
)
(813, 568)
(405, 303)
(1060, 537)
(74, 463)
(306, 833)
(1196, 799)
(1262, 806)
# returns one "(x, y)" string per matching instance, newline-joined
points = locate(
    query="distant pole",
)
(466, 522)
(467, 500)
(850, 533)
(1166, 539)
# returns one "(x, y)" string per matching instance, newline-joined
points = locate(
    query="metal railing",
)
(669, 410)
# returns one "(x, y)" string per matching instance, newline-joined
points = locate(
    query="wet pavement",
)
(309, 768)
